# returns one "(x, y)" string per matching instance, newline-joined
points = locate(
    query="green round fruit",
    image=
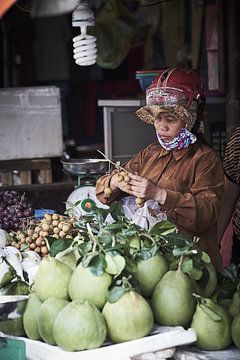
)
(52, 279)
(172, 301)
(129, 318)
(149, 272)
(235, 330)
(84, 285)
(30, 317)
(79, 326)
(212, 324)
(49, 310)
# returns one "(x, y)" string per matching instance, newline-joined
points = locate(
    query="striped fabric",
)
(231, 165)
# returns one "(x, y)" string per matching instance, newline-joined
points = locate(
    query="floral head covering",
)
(178, 92)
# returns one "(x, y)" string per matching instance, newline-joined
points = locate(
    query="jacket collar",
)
(177, 155)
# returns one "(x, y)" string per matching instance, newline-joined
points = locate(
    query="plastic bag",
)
(114, 28)
(145, 216)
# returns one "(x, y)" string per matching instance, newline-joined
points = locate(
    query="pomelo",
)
(84, 285)
(128, 318)
(47, 315)
(79, 326)
(149, 272)
(52, 279)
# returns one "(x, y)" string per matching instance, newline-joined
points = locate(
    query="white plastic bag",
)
(145, 216)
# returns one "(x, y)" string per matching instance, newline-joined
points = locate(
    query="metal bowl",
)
(85, 166)
(10, 304)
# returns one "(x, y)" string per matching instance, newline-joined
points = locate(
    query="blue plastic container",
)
(39, 213)
(146, 77)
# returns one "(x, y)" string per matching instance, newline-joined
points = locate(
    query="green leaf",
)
(88, 258)
(187, 265)
(115, 294)
(59, 245)
(113, 227)
(195, 273)
(115, 264)
(8, 276)
(84, 248)
(163, 227)
(147, 252)
(206, 257)
(98, 265)
(178, 239)
(214, 316)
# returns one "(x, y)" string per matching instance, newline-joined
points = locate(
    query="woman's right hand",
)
(121, 185)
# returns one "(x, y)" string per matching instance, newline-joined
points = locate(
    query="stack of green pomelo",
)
(122, 282)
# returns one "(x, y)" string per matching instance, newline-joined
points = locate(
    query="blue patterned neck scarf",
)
(183, 139)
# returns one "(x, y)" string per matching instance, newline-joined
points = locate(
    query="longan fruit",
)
(55, 217)
(62, 234)
(107, 191)
(66, 228)
(37, 229)
(48, 217)
(60, 225)
(32, 246)
(126, 178)
(38, 242)
(30, 232)
(119, 177)
(45, 226)
(55, 222)
(139, 201)
(44, 250)
(56, 230)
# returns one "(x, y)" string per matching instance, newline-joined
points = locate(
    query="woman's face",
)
(167, 126)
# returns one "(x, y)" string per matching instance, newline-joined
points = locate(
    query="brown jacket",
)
(193, 179)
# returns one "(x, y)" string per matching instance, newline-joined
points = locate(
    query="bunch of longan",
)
(34, 235)
(122, 176)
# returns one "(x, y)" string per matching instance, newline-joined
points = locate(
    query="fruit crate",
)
(25, 172)
(162, 340)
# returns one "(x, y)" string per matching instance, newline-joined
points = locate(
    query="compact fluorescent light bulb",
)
(84, 45)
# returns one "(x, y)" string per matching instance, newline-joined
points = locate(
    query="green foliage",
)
(107, 241)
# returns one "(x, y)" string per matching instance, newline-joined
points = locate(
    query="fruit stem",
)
(180, 262)
(113, 241)
(111, 162)
(198, 298)
(92, 237)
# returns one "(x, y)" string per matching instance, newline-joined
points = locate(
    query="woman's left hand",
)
(146, 189)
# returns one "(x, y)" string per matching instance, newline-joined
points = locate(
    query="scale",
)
(87, 172)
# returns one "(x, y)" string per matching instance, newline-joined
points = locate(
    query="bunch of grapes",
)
(14, 209)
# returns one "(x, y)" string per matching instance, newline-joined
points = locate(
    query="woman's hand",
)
(144, 188)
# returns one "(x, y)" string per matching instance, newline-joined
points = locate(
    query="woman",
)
(180, 175)
(230, 208)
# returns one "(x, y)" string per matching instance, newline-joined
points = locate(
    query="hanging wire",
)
(26, 9)
(152, 2)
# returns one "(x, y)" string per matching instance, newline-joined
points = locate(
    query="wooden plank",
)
(26, 177)
(45, 176)
(6, 178)
(25, 164)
